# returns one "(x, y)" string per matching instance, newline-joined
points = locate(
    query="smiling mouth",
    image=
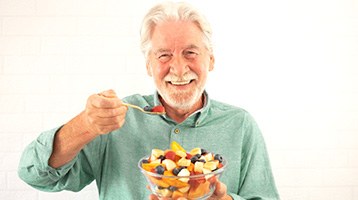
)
(180, 82)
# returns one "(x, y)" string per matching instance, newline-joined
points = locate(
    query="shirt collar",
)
(196, 118)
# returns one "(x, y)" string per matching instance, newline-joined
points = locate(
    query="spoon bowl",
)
(153, 111)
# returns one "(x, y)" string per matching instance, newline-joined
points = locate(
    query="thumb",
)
(108, 93)
(221, 189)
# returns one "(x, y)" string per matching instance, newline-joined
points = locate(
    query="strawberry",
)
(159, 108)
(170, 155)
(188, 155)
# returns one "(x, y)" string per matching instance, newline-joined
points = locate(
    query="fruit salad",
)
(175, 172)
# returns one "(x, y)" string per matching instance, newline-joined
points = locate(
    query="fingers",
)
(152, 197)
(220, 190)
(107, 121)
(105, 100)
(105, 112)
(108, 93)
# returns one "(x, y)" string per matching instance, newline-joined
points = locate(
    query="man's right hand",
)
(104, 113)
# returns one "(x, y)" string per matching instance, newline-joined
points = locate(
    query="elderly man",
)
(106, 140)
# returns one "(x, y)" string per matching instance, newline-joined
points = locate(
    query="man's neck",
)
(179, 115)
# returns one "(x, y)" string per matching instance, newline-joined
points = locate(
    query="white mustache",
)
(186, 78)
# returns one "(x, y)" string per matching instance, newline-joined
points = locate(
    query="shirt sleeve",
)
(35, 171)
(256, 180)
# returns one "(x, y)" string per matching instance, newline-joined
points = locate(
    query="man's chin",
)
(181, 101)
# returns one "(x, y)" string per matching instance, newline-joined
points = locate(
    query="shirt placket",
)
(177, 134)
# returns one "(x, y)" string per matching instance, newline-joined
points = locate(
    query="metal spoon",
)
(135, 106)
(142, 110)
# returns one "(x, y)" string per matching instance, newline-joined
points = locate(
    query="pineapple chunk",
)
(157, 153)
(184, 162)
(209, 157)
(195, 151)
(198, 167)
(202, 158)
(169, 164)
(156, 161)
(211, 165)
(181, 154)
(184, 172)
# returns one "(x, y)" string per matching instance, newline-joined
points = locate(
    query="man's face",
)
(179, 63)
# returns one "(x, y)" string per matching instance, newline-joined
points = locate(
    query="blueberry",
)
(204, 151)
(176, 171)
(161, 157)
(172, 188)
(201, 160)
(218, 157)
(147, 108)
(159, 169)
(145, 161)
(161, 187)
(194, 159)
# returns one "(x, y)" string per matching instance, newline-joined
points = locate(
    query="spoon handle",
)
(142, 110)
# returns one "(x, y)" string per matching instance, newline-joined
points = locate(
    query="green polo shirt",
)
(111, 159)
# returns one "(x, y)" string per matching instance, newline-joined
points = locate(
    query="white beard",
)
(182, 100)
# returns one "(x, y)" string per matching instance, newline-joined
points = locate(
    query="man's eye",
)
(164, 57)
(190, 54)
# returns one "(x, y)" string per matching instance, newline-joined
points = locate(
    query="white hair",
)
(178, 11)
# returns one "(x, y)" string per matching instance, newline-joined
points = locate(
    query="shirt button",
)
(176, 131)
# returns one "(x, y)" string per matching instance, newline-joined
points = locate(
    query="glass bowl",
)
(171, 187)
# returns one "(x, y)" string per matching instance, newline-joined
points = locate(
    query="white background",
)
(291, 64)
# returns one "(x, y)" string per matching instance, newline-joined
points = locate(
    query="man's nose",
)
(179, 65)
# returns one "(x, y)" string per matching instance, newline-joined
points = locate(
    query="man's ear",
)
(212, 62)
(149, 68)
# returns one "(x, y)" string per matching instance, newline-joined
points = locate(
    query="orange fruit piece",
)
(176, 146)
(177, 194)
(201, 190)
(149, 166)
(173, 181)
(191, 167)
(158, 182)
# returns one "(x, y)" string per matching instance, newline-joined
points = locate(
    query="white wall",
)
(292, 64)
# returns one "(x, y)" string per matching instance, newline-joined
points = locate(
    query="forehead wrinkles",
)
(163, 48)
(174, 34)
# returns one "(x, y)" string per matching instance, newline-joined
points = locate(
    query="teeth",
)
(180, 82)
